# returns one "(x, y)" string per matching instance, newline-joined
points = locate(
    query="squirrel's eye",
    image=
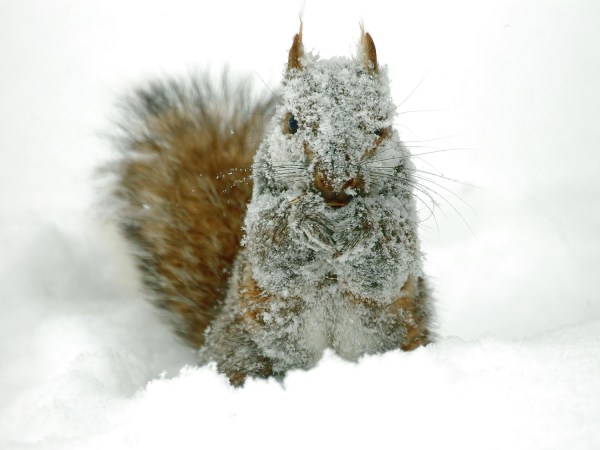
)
(292, 124)
(379, 132)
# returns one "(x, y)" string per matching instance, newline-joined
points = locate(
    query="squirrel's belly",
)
(329, 321)
(334, 322)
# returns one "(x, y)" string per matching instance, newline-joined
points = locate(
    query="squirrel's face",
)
(333, 121)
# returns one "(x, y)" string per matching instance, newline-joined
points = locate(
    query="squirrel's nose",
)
(335, 198)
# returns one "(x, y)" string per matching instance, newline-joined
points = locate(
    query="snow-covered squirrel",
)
(319, 251)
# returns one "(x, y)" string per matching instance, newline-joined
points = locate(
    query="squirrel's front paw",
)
(348, 239)
(336, 232)
(315, 227)
(316, 230)
(352, 229)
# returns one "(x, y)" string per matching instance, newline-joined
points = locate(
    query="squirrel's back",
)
(183, 186)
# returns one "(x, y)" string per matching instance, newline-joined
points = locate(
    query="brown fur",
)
(414, 316)
(369, 51)
(411, 308)
(296, 51)
(182, 205)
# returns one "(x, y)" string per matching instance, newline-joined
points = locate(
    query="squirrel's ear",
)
(296, 52)
(367, 53)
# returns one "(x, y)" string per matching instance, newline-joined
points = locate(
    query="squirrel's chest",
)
(368, 249)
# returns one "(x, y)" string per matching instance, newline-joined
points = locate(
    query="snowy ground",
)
(87, 364)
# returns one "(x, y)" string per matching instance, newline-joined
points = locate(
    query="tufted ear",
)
(296, 52)
(367, 53)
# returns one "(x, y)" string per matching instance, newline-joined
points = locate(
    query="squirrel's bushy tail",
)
(183, 185)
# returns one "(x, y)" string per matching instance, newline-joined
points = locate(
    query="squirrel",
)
(317, 249)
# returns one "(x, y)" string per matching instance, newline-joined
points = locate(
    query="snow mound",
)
(89, 365)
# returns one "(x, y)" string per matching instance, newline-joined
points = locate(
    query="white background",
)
(510, 88)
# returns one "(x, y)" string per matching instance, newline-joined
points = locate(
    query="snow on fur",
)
(330, 257)
(339, 106)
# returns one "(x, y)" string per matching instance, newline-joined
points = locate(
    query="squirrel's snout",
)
(336, 198)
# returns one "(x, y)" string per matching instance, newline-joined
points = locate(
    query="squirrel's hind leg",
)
(228, 342)
(236, 355)
(417, 317)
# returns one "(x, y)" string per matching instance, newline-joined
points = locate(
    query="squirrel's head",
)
(333, 121)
